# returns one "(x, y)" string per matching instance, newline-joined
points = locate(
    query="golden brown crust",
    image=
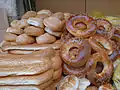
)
(15, 30)
(10, 37)
(29, 14)
(29, 87)
(99, 43)
(85, 29)
(24, 39)
(105, 75)
(54, 23)
(27, 80)
(57, 73)
(59, 15)
(20, 52)
(45, 11)
(45, 39)
(32, 47)
(33, 31)
(19, 23)
(57, 34)
(30, 69)
(75, 52)
(92, 88)
(57, 62)
(38, 22)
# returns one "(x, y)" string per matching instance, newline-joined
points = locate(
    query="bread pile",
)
(35, 71)
(42, 27)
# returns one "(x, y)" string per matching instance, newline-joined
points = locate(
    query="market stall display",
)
(60, 50)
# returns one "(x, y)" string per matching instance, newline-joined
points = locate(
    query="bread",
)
(57, 34)
(44, 11)
(19, 23)
(45, 39)
(29, 14)
(24, 39)
(54, 23)
(27, 80)
(10, 37)
(59, 15)
(57, 74)
(33, 31)
(38, 22)
(15, 30)
(32, 47)
(25, 69)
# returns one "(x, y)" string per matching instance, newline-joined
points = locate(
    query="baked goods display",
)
(48, 51)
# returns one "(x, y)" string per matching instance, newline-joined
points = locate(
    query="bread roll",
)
(44, 11)
(54, 23)
(15, 30)
(38, 22)
(10, 37)
(57, 34)
(29, 14)
(27, 80)
(33, 31)
(45, 39)
(19, 23)
(59, 15)
(6, 43)
(25, 39)
(41, 16)
(32, 47)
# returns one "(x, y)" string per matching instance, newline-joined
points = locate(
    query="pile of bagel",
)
(44, 50)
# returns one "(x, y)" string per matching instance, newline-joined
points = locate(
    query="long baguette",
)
(29, 87)
(32, 47)
(30, 69)
(14, 60)
(47, 52)
(27, 80)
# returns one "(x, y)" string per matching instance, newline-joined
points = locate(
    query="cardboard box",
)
(107, 7)
(72, 6)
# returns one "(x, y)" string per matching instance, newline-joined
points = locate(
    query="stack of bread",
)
(42, 27)
(33, 71)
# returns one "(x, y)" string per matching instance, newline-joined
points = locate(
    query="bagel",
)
(81, 26)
